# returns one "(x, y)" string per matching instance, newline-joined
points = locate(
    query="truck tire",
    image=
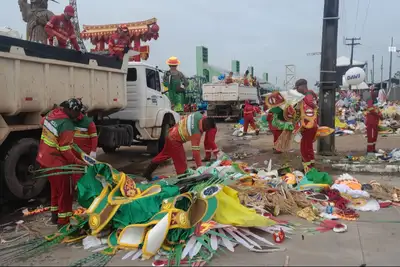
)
(164, 133)
(109, 150)
(18, 165)
(155, 147)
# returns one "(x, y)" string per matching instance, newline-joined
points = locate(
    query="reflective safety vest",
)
(56, 141)
(85, 135)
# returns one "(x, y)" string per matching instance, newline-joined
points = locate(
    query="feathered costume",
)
(178, 220)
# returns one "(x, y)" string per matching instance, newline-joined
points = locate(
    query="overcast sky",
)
(267, 34)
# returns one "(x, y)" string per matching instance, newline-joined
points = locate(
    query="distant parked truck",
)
(227, 100)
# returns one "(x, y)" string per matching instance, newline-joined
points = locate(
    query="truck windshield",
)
(132, 75)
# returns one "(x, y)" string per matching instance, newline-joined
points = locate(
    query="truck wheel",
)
(164, 133)
(155, 147)
(19, 164)
(109, 150)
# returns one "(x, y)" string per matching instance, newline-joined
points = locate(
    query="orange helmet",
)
(69, 10)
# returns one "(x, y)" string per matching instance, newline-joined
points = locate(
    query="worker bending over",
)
(55, 150)
(62, 28)
(189, 128)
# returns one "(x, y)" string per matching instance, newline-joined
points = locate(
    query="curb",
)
(367, 168)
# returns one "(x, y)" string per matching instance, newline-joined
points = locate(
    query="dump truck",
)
(227, 100)
(124, 99)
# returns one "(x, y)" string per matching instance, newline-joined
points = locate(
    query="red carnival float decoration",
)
(141, 31)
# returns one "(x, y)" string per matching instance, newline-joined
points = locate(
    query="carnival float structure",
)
(139, 32)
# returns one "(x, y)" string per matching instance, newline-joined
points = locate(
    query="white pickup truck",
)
(125, 100)
(226, 100)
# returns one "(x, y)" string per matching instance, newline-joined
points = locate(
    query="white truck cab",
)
(148, 110)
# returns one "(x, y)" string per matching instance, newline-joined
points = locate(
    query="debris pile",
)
(187, 220)
(350, 118)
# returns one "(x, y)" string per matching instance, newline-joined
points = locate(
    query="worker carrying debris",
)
(55, 150)
(62, 28)
(308, 123)
(189, 128)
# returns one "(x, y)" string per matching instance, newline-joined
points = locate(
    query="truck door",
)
(154, 100)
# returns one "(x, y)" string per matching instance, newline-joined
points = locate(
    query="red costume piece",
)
(209, 143)
(117, 44)
(55, 150)
(248, 114)
(309, 128)
(372, 117)
(246, 82)
(62, 29)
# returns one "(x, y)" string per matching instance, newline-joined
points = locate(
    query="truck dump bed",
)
(228, 92)
(34, 77)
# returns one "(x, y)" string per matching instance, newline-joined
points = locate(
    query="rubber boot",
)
(54, 218)
(149, 171)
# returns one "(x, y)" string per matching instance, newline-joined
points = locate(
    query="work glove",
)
(93, 154)
(126, 49)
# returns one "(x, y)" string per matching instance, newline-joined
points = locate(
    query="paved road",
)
(367, 243)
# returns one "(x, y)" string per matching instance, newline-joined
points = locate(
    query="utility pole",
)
(352, 44)
(326, 145)
(373, 69)
(391, 50)
(382, 73)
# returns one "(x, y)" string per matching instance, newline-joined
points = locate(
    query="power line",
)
(366, 17)
(352, 44)
(355, 24)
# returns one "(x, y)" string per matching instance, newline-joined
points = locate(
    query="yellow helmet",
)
(173, 61)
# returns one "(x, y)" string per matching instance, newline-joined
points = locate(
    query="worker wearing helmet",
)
(55, 151)
(62, 28)
(176, 83)
(120, 42)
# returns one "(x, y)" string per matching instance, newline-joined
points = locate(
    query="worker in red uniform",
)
(210, 147)
(372, 117)
(248, 115)
(229, 78)
(85, 137)
(62, 28)
(308, 123)
(55, 150)
(120, 42)
(246, 81)
(189, 128)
